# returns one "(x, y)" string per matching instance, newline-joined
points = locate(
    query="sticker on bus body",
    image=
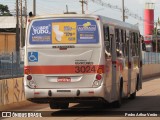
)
(33, 56)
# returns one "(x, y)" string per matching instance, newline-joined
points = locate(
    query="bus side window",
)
(117, 37)
(127, 43)
(107, 41)
(133, 44)
(136, 44)
(123, 42)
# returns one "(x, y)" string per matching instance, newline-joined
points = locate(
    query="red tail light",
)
(29, 77)
(98, 77)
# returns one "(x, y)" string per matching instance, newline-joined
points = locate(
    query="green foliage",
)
(4, 11)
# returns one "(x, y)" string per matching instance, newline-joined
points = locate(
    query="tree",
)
(4, 11)
(156, 36)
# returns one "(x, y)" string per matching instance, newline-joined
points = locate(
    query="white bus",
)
(81, 58)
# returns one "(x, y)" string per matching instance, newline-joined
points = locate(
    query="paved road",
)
(148, 99)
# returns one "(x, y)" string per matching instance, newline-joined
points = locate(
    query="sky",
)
(44, 7)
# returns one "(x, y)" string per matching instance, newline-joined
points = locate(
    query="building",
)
(149, 25)
(7, 34)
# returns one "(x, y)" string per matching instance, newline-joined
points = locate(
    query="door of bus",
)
(114, 57)
(140, 64)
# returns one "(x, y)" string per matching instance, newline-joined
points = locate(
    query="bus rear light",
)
(100, 71)
(29, 77)
(98, 77)
(26, 71)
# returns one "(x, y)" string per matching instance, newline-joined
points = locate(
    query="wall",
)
(7, 42)
(11, 91)
(151, 70)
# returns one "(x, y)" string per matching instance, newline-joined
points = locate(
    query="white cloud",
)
(141, 1)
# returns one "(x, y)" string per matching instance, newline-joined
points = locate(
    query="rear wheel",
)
(59, 105)
(133, 96)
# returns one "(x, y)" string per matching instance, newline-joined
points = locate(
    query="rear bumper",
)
(69, 95)
(69, 99)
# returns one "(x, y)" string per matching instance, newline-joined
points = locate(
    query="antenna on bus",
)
(66, 8)
(67, 12)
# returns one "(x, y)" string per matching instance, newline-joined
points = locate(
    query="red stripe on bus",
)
(65, 69)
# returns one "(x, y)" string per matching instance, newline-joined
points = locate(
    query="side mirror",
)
(143, 46)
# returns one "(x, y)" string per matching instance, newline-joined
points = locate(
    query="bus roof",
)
(104, 20)
(118, 23)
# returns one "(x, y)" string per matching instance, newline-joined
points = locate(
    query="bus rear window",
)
(63, 31)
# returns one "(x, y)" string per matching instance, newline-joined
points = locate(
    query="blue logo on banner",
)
(33, 56)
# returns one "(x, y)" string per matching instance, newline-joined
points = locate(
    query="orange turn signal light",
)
(27, 71)
(100, 71)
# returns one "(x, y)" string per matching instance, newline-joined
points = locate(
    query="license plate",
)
(64, 79)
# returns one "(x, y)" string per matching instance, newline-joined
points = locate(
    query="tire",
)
(137, 84)
(59, 105)
(133, 96)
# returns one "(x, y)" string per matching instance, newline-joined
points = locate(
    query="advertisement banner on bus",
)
(64, 31)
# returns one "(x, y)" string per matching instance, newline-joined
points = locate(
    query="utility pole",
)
(25, 12)
(34, 7)
(123, 11)
(21, 27)
(17, 27)
(83, 2)
(17, 36)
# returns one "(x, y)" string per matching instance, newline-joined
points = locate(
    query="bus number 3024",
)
(85, 69)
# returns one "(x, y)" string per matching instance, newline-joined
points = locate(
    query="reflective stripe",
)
(68, 69)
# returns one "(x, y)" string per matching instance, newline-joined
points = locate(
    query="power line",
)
(47, 7)
(126, 10)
